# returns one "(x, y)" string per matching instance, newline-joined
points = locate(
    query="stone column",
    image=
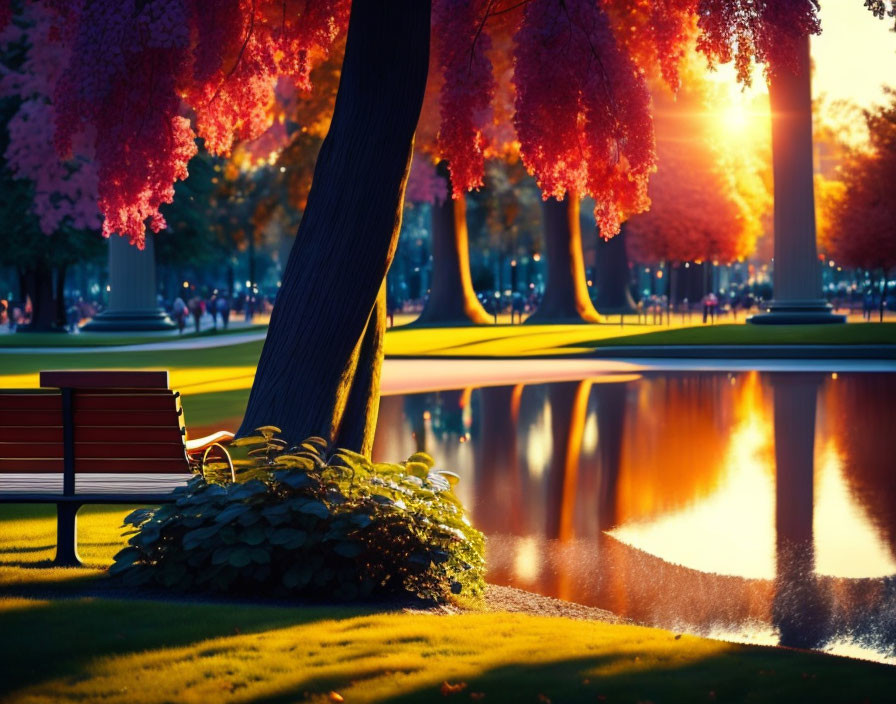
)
(797, 292)
(132, 291)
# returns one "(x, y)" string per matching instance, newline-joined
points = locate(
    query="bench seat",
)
(108, 486)
(95, 437)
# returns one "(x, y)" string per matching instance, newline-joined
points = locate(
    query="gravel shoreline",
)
(520, 601)
(499, 598)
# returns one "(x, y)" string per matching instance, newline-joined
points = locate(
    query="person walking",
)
(195, 306)
(713, 305)
(222, 308)
(179, 313)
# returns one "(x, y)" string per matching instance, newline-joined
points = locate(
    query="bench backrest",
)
(112, 422)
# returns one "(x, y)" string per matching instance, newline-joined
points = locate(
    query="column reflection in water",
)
(799, 608)
(706, 502)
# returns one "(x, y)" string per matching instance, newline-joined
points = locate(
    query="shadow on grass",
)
(756, 675)
(43, 641)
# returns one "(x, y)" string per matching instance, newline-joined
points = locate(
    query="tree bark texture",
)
(319, 369)
(612, 276)
(566, 298)
(452, 300)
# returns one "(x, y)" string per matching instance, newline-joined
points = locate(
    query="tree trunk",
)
(23, 285)
(452, 300)
(59, 298)
(308, 380)
(612, 276)
(797, 284)
(566, 298)
(39, 288)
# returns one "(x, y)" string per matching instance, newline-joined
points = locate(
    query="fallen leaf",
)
(448, 688)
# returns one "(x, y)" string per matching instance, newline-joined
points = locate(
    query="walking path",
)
(192, 343)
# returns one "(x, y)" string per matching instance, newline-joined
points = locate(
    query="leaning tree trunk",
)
(566, 298)
(319, 368)
(452, 300)
(612, 276)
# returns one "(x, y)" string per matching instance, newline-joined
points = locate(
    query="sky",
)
(855, 54)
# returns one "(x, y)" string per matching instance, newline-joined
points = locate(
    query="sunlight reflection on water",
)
(754, 507)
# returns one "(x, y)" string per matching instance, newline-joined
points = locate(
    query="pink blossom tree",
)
(143, 78)
(55, 199)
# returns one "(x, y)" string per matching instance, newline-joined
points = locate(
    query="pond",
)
(750, 506)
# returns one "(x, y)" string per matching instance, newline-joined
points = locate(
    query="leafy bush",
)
(297, 522)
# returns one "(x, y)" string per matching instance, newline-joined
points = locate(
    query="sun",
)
(734, 117)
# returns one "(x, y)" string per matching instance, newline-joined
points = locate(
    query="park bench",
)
(95, 437)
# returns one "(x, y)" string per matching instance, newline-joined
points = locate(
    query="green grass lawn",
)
(559, 340)
(215, 381)
(59, 645)
(99, 339)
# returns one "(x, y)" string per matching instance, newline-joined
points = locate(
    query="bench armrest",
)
(200, 444)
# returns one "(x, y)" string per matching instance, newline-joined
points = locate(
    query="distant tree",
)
(49, 209)
(581, 114)
(697, 212)
(863, 228)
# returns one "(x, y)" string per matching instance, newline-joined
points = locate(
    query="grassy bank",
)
(58, 646)
(215, 381)
(561, 340)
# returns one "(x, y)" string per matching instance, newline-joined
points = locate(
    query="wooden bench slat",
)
(96, 466)
(171, 434)
(33, 418)
(154, 450)
(37, 450)
(30, 465)
(120, 402)
(13, 433)
(30, 402)
(84, 450)
(120, 379)
(131, 466)
(124, 419)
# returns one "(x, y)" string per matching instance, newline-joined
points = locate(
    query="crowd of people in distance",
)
(218, 306)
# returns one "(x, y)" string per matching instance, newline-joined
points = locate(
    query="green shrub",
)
(300, 522)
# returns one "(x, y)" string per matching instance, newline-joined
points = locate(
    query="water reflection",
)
(754, 507)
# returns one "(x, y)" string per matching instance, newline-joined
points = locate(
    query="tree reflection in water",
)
(706, 502)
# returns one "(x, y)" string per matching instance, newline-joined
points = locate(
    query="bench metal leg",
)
(67, 535)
